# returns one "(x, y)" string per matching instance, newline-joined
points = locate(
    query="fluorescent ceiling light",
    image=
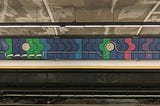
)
(113, 26)
(74, 26)
(26, 26)
(81, 25)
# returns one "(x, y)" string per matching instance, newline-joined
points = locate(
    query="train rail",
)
(58, 85)
(84, 93)
(80, 83)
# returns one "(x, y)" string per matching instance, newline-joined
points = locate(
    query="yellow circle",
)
(25, 46)
(110, 46)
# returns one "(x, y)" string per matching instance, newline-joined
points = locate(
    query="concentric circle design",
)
(110, 46)
(25, 46)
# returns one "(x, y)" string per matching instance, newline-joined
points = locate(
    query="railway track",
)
(122, 92)
(79, 84)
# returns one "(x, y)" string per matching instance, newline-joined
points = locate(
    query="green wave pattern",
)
(9, 51)
(102, 46)
(35, 48)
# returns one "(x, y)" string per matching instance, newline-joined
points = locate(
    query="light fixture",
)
(80, 24)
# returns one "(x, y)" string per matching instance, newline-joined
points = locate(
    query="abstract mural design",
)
(79, 48)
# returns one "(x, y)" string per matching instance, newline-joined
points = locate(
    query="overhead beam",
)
(4, 11)
(148, 16)
(50, 15)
